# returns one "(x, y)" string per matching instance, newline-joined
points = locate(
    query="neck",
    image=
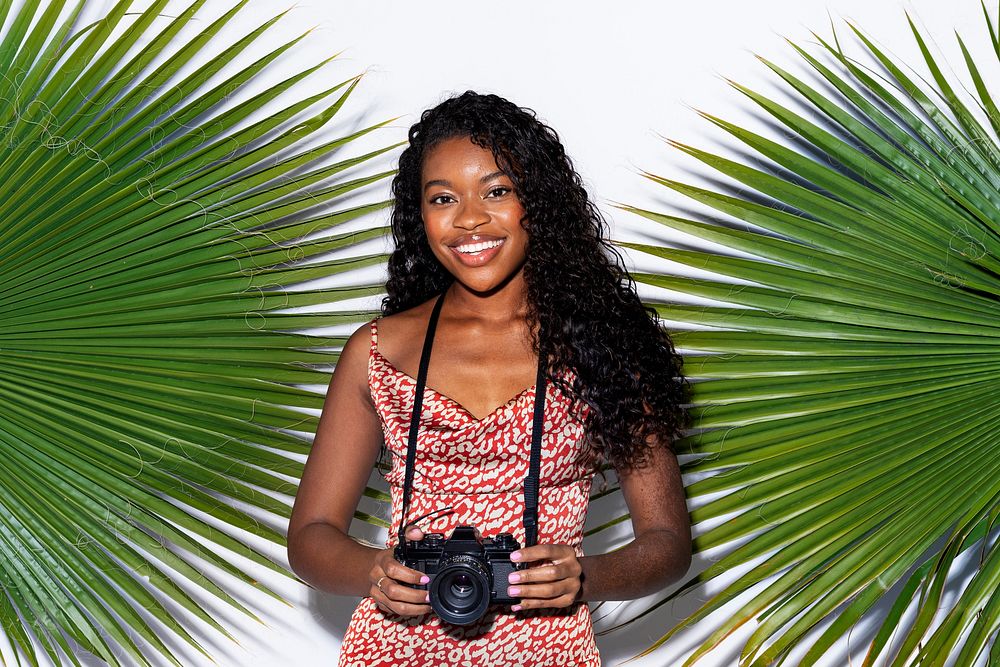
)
(503, 305)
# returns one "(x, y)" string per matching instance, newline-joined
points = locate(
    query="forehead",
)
(456, 156)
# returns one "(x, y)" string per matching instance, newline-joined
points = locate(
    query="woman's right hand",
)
(389, 579)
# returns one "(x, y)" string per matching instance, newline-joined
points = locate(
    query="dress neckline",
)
(512, 400)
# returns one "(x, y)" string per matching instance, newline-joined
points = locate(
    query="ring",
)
(378, 584)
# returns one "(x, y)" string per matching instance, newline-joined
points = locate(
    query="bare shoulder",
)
(351, 372)
(357, 346)
(402, 333)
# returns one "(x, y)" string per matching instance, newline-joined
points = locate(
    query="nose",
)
(472, 212)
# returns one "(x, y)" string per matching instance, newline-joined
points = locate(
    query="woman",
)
(497, 240)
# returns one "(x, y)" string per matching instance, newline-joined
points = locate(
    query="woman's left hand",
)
(552, 580)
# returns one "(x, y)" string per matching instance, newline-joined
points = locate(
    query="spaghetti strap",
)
(373, 357)
(374, 346)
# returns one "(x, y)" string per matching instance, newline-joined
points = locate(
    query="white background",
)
(613, 78)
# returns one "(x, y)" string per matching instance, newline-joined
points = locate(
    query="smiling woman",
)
(471, 213)
(492, 226)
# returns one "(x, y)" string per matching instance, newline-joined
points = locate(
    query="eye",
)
(442, 199)
(498, 191)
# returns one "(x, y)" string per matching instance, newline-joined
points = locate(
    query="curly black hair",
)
(626, 368)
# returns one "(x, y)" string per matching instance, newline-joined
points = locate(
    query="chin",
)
(484, 280)
(476, 283)
(479, 288)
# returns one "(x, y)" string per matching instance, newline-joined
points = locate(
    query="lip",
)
(465, 239)
(480, 258)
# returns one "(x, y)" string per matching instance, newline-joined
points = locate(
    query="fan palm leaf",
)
(845, 404)
(150, 412)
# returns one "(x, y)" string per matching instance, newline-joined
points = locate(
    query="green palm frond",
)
(150, 232)
(847, 394)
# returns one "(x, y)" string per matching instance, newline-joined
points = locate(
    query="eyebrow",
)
(438, 181)
(447, 184)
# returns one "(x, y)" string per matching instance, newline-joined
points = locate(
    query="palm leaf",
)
(846, 398)
(150, 372)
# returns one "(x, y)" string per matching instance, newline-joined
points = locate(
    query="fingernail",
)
(516, 607)
(513, 577)
(516, 555)
(513, 591)
(427, 598)
(425, 579)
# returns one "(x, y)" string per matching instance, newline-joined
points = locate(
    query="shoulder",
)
(358, 345)
(400, 332)
(350, 375)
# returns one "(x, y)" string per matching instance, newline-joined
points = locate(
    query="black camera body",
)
(468, 573)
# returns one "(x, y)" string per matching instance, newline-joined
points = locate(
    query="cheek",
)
(513, 216)
(434, 222)
(439, 253)
(434, 235)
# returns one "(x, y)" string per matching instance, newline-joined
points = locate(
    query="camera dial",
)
(432, 540)
(505, 541)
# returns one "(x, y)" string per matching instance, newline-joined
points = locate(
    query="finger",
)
(397, 592)
(544, 591)
(414, 533)
(562, 593)
(545, 603)
(539, 552)
(550, 572)
(400, 572)
(397, 607)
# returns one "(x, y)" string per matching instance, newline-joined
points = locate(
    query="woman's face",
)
(472, 216)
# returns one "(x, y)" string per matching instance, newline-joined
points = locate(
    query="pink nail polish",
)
(516, 555)
(514, 592)
(513, 578)
(516, 607)
(425, 579)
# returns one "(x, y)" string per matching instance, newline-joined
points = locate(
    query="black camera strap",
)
(534, 462)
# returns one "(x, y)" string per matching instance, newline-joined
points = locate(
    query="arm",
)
(659, 554)
(661, 551)
(347, 442)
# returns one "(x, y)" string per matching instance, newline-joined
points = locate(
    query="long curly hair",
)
(626, 368)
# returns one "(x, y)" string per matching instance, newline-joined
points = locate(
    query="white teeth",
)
(473, 248)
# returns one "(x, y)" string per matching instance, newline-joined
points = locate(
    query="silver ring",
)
(378, 584)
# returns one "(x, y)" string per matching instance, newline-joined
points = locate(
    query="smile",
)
(473, 248)
(477, 254)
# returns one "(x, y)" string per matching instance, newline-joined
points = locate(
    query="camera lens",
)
(460, 587)
(460, 592)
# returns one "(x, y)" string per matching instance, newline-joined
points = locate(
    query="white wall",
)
(611, 77)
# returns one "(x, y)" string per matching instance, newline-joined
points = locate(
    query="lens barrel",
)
(461, 590)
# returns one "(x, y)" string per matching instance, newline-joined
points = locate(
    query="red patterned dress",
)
(477, 467)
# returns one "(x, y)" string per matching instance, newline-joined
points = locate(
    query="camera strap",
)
(534, 461)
